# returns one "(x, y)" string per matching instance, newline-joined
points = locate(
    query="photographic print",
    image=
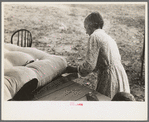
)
(74, 55)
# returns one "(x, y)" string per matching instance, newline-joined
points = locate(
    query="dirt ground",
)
(58, 29)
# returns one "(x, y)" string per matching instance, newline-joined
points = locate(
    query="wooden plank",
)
(70, 93)
(52, 87)
(55, 85)
(50, 91)
(99, 96)
(74, 92)
(82, 99)
(64, 89)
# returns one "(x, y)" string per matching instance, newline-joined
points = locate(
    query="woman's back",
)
(108, 47)
(111, 74)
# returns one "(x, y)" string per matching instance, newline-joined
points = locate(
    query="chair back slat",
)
(21, 38)
(28, 40)
(24, 38)
(31, 39)
(18, 39)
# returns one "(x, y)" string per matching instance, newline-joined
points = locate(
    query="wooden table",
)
(65, 89)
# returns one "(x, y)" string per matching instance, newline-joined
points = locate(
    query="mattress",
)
(17, 71)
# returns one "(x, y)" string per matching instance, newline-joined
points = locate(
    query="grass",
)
(58, 29)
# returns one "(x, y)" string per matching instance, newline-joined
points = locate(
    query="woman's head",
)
(92, 22)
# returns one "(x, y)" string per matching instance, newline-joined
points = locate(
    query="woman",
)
(103, 57)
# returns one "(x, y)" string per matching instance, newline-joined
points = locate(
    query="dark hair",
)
(123, 96)
(95, 20)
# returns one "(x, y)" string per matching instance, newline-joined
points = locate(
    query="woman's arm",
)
(90, 61)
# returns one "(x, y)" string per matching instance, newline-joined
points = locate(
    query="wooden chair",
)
(22, 38)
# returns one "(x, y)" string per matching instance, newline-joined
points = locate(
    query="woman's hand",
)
(71, 69)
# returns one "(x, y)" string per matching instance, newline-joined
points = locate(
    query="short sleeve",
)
(90, 61)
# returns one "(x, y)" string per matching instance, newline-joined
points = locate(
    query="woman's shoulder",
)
(94, 34)
(98, 34)
(101, 35)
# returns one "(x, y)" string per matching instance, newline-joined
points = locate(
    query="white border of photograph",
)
(45, 110)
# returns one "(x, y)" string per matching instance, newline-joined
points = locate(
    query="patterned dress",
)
(103, 57)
